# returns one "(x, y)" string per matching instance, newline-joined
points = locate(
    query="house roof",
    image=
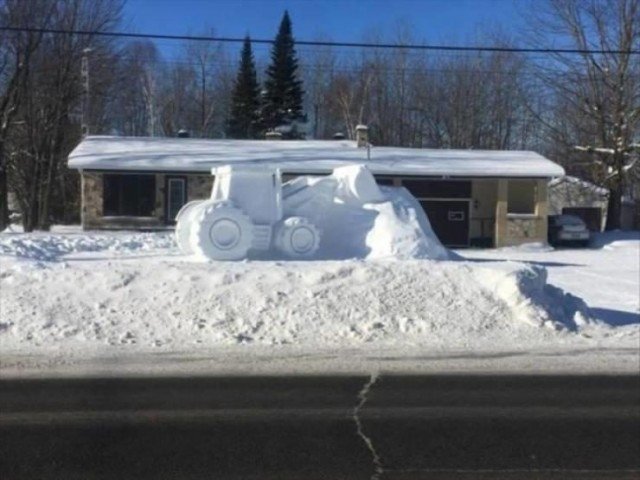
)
(569, 181)
(301, 156)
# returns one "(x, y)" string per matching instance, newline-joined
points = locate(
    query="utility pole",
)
(149, 88)
(84, 74)
(315, 121)
(204, 93)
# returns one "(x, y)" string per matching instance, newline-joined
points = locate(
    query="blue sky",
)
(433, 21)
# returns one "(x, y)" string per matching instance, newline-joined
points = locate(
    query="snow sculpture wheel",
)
(183, 226)
(222, 232)
(298, 238)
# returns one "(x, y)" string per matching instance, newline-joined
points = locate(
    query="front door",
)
(449, 220)
(175, 197)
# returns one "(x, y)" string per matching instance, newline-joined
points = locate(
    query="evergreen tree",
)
(245, 101)
(283, 98)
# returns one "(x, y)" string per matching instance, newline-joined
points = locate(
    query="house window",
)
(438, 188)
(385, 181)
(521, 197)
(129, 195)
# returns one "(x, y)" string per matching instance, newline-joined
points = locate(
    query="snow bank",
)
(49, 247)
(176, 305)
(525, 290)
(606, 276)
(102, 294)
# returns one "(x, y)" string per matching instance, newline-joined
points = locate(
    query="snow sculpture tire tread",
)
(297, 237)
(184, 222)
(221, 231)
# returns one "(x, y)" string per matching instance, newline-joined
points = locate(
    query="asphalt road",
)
(402, 427)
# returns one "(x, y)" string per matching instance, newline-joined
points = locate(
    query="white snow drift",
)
(78, 296)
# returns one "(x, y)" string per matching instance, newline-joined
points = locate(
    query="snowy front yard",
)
(68, 297)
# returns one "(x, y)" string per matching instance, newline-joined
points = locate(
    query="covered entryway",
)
(175, 196)
(449, 220)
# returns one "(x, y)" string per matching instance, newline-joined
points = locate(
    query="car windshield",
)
(569, 220)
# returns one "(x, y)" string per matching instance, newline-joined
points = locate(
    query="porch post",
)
(83, 207)
(501, 213)
(542, 209)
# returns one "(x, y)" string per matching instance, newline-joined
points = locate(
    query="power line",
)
(347, 54)
(453, 48)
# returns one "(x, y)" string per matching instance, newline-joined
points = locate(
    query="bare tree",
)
(134, 101)
(318, 72)
(47, 130)
(204, 57)
(600, 92)
(16, 52)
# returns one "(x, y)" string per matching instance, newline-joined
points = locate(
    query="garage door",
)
(449, 220)
(591, 216)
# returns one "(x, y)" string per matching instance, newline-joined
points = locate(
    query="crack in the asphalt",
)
(363, 394)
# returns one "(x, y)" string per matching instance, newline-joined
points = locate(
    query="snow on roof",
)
(578, 182)
(301, 156)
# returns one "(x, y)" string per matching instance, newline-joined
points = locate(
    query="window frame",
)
(511, 202)
(128, 193)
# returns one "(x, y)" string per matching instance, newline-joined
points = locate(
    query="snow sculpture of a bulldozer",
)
(252, 214)
(244, 213)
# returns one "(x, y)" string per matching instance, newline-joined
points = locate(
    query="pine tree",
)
(283, 98)
(244, 121)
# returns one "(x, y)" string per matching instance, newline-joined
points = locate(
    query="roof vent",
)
(182, 133)
(338, 136)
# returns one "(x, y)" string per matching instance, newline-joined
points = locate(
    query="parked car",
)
(568, 229)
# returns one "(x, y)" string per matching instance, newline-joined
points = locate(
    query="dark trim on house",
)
(146, 172)
(431, 177)
(286, 172)
(167, 179)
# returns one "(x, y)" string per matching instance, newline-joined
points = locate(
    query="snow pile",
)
(172, 304)
(49, 247)
(526, 291)
(78, 296)
(606, 276)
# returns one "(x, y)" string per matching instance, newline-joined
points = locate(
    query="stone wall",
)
(91, 191)
(516, 229)
(523, 230)
(198, 188)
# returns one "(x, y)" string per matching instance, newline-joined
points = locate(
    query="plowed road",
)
(407, 427)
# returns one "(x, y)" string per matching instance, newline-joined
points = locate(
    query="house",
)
(575, 196)
(472, 197)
